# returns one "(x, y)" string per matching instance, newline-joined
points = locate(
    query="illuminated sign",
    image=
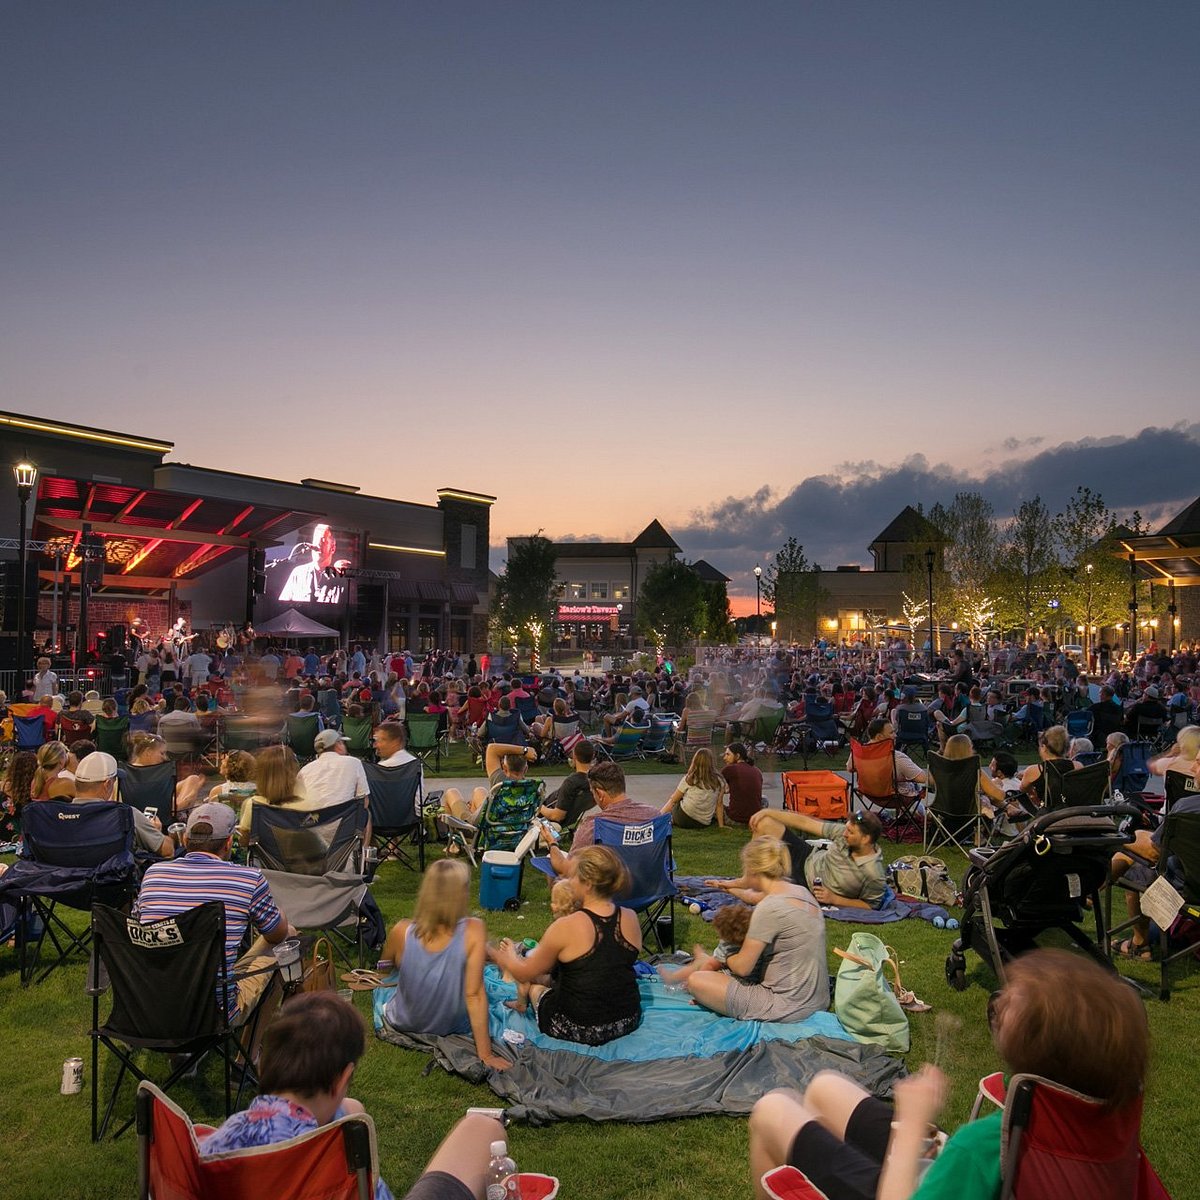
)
(588, 612)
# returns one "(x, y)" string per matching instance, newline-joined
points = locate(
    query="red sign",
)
(588, 612)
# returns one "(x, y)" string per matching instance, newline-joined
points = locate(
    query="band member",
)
(314, 582)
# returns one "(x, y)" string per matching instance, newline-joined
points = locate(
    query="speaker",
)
(10, 575)
(117, 639)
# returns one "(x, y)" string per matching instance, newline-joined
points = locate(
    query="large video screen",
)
(306, 570)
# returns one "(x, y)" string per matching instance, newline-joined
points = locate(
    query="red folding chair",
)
(338, 1161)
(787, 1183)
(1058, 1144)
(873, 779)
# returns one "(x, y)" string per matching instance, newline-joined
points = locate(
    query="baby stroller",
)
(1040, 880)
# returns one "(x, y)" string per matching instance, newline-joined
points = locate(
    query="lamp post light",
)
(25, 474)
(929, 557)
(1088, 569)
(1133, 608)
(1173, 620)
(757, 600)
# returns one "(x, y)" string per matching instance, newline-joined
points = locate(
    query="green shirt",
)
(968, 1168)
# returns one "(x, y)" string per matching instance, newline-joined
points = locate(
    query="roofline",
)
(84, 433)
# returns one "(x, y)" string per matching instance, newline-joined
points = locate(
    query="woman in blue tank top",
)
(439, 956)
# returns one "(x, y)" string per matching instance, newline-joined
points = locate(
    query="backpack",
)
(926, 878)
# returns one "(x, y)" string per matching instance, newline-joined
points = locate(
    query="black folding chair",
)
(73, 855)
(396, 823)
(1079, 788)
(151, 786)
(953, 808)
(645, 849)
(182, 957)
(314, 864)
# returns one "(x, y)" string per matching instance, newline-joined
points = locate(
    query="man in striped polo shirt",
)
(205, 873)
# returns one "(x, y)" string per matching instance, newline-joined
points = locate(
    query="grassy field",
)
(49, 1153)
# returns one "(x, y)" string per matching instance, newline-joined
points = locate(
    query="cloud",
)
(1012, 444)
(836, 516)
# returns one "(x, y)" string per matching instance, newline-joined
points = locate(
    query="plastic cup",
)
(346, 994)
(287, 955)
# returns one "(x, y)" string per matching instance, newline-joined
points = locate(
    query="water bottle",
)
(502, 1182)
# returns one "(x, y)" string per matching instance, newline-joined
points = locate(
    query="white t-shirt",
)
(198, 666)
(330, 779)
(45, 684)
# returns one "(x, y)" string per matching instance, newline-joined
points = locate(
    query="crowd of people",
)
(579, 980)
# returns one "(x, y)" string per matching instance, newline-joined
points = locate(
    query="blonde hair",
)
(275, 772)
(141, 741)
(1188, 741)
(1056, 740)
(51, 758)
(442, 899)
(238, 766)
(768, 857)
(599, 869)
(141, 705)
(702, 771)
(957, 747)
(564, 899)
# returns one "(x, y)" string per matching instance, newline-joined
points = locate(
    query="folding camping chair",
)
(396, 810)
(1079, 722)
(425, 737)
(504, 821)
(1134, 772)
(180, 957)
(357, 732)
(111, 734)
(301, 732)
(873, 779)
(73, 854)
(822, 723)
(1179, 864)
(1057, 1141)
(698, 734)
(626, 744)
(953, 807)
(655, 742)
(913, 729)
(29, 732)
(645, 849)
(1072, 789)
(314, 864)
(146, 787)
(338, 1161)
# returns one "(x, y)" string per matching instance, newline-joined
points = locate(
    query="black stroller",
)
(1040, 880)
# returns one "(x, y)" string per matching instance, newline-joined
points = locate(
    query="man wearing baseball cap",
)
(334, 776)
(96, 779)
(205, 873)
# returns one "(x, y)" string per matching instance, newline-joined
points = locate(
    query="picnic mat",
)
(682, 1061)
(895, 908)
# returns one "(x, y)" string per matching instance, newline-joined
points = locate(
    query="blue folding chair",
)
(645, 849)
(73, 854)
(30, 732)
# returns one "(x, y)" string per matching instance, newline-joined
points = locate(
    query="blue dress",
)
(430, 992)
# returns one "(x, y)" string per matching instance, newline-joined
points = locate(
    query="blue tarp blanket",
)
(895, 908)
(682, 1061)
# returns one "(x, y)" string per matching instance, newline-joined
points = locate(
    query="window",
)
(576, 591)
(599, 591)
(620, 591)
(467, 559)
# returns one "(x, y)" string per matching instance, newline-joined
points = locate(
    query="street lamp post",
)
(1133, 608)
(929, 557)
(25, 474)
(757, 600)
(1088, 569)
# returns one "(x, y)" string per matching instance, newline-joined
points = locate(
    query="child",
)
(238, 769)
(564, 900)
(731, 922)
(1003, 787)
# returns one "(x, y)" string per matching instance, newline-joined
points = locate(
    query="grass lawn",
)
(50, 1155)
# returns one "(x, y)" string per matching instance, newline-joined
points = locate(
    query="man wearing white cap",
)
(334, 776)
(96, 779)
(205, 873)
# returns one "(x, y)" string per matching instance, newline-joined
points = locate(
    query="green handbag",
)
(863, 998)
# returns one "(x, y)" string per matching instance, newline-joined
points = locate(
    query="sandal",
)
(910, 1003)
(362, 980)
(1135, 951)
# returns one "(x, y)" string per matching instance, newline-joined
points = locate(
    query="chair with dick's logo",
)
(181, 957)
(73, 854)
(645, 849)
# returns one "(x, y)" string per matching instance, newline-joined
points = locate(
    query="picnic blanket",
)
(894, 907)
(682, 1061)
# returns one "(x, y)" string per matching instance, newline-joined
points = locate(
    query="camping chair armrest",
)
(452, 822)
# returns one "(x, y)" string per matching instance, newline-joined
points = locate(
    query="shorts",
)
(681, 820)
(846, 1170)
(438, 1185)
(799, 849)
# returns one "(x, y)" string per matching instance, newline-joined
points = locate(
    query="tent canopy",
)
(294, 624)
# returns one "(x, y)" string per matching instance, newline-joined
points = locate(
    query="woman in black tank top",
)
(1052, 753)
(592, 996)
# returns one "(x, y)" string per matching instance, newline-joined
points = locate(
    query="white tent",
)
(294, 624)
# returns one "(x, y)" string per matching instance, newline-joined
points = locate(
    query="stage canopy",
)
(294, 624)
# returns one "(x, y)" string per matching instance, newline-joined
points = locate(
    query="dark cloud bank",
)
(836, 516)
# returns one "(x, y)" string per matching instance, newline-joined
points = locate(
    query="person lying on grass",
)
(849, 872)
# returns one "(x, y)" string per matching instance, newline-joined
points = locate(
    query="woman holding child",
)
(592, 996)
(439, 957)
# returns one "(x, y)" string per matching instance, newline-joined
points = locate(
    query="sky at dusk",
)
(753, 269)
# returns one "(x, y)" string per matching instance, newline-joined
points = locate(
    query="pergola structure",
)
(1169, 558)
(153, 540)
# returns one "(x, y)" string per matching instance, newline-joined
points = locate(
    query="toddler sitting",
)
(732, 923)
(564, 900)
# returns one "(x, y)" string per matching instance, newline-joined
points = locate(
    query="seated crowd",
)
(579, 981)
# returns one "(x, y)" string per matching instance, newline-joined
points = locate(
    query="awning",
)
(432, 591)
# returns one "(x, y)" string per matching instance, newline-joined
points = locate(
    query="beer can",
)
(72, 1077)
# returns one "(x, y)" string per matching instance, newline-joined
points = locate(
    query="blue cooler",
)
(500, 880)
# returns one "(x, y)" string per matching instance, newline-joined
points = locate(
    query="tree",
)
(792, 586)
(671, 605)
(969, 557)
(717, 625)
(1093, 586)
(527, 590)
(1028, 566)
